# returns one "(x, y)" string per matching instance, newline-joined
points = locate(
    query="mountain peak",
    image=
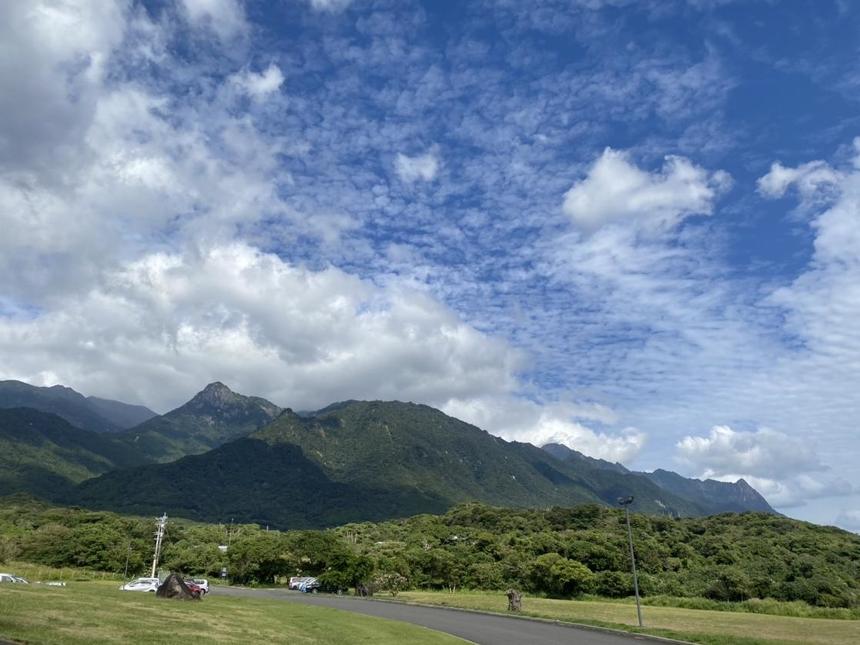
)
(218, 399)
(216, 393)
(212, 417)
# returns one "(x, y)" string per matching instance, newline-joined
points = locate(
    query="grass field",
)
(97, 611)
(696, 625)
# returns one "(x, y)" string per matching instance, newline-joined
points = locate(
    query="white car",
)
(141, 584)
(296, 581)
(8, 577)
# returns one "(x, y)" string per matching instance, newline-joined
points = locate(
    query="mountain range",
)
(87, 413)
(45, 455)
(224, 455)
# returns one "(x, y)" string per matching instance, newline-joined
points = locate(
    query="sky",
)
(630, 227)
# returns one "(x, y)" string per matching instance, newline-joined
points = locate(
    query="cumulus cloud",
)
(763, 453)
(95, 168)
(518, 419)
(780, 467)
(259, 85)
(53, 59)
(421, 168)
(616, 190)
(167, 323)
(809, 178)
(794, 492)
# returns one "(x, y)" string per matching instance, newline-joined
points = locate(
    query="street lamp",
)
(626, 502)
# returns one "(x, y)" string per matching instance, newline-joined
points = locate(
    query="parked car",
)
(195, 589)
(142, 584)
(309, 585)
(295, 581)
(203, 583)
(8, 577)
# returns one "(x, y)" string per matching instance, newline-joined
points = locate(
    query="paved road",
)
(485, 629)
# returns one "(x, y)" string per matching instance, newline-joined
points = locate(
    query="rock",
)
(515, 600)
(174, 587)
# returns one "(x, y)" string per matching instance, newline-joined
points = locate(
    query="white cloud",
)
(165, 324)
(615, 190)
(794, 492)
(95, 169)
(259, 85)
(518, 419)
(411, 169)
(53, 58)
(778, 466)
(226, 18)
(763, 453)
(810, 178)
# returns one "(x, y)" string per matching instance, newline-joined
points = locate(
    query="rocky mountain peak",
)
(216, 394)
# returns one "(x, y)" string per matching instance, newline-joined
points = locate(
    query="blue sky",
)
(632, 227)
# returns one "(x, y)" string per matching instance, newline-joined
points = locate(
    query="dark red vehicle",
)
(198, 590)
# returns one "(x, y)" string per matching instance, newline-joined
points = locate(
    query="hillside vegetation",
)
(558, 552)
(358, 460)
(45, 455)
(94, 414)
(214, 416)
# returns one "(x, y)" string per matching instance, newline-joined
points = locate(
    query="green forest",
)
(557, 552)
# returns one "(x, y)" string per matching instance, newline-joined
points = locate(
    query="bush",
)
(613, 584)
(730, 584)
(393, 583)
(559, 576)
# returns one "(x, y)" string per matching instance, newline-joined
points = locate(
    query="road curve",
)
(484, 629)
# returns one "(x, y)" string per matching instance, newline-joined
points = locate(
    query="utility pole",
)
(159, 536)
(127, 556)
(626, 502)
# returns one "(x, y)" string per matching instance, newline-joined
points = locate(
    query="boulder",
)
(174, 587)
(515, 600)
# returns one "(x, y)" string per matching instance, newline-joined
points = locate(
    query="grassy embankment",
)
(96, 611)
(695, 625)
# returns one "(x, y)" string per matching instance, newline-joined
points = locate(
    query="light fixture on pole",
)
(626, 502)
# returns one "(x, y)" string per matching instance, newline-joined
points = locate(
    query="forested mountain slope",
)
(214, 416)
(45, 455)
(365, 460)
(96, 415)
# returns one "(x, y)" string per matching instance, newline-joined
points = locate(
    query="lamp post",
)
(626, 502)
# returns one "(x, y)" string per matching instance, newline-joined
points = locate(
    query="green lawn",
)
(696, 625)
(87, 612)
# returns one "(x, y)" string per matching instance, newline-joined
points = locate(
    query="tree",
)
(557, 575)
(346, 570)
(393, 583)
(260, 556)
(571, 578)
(9, 549)
(730, 584)
(613, 584)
